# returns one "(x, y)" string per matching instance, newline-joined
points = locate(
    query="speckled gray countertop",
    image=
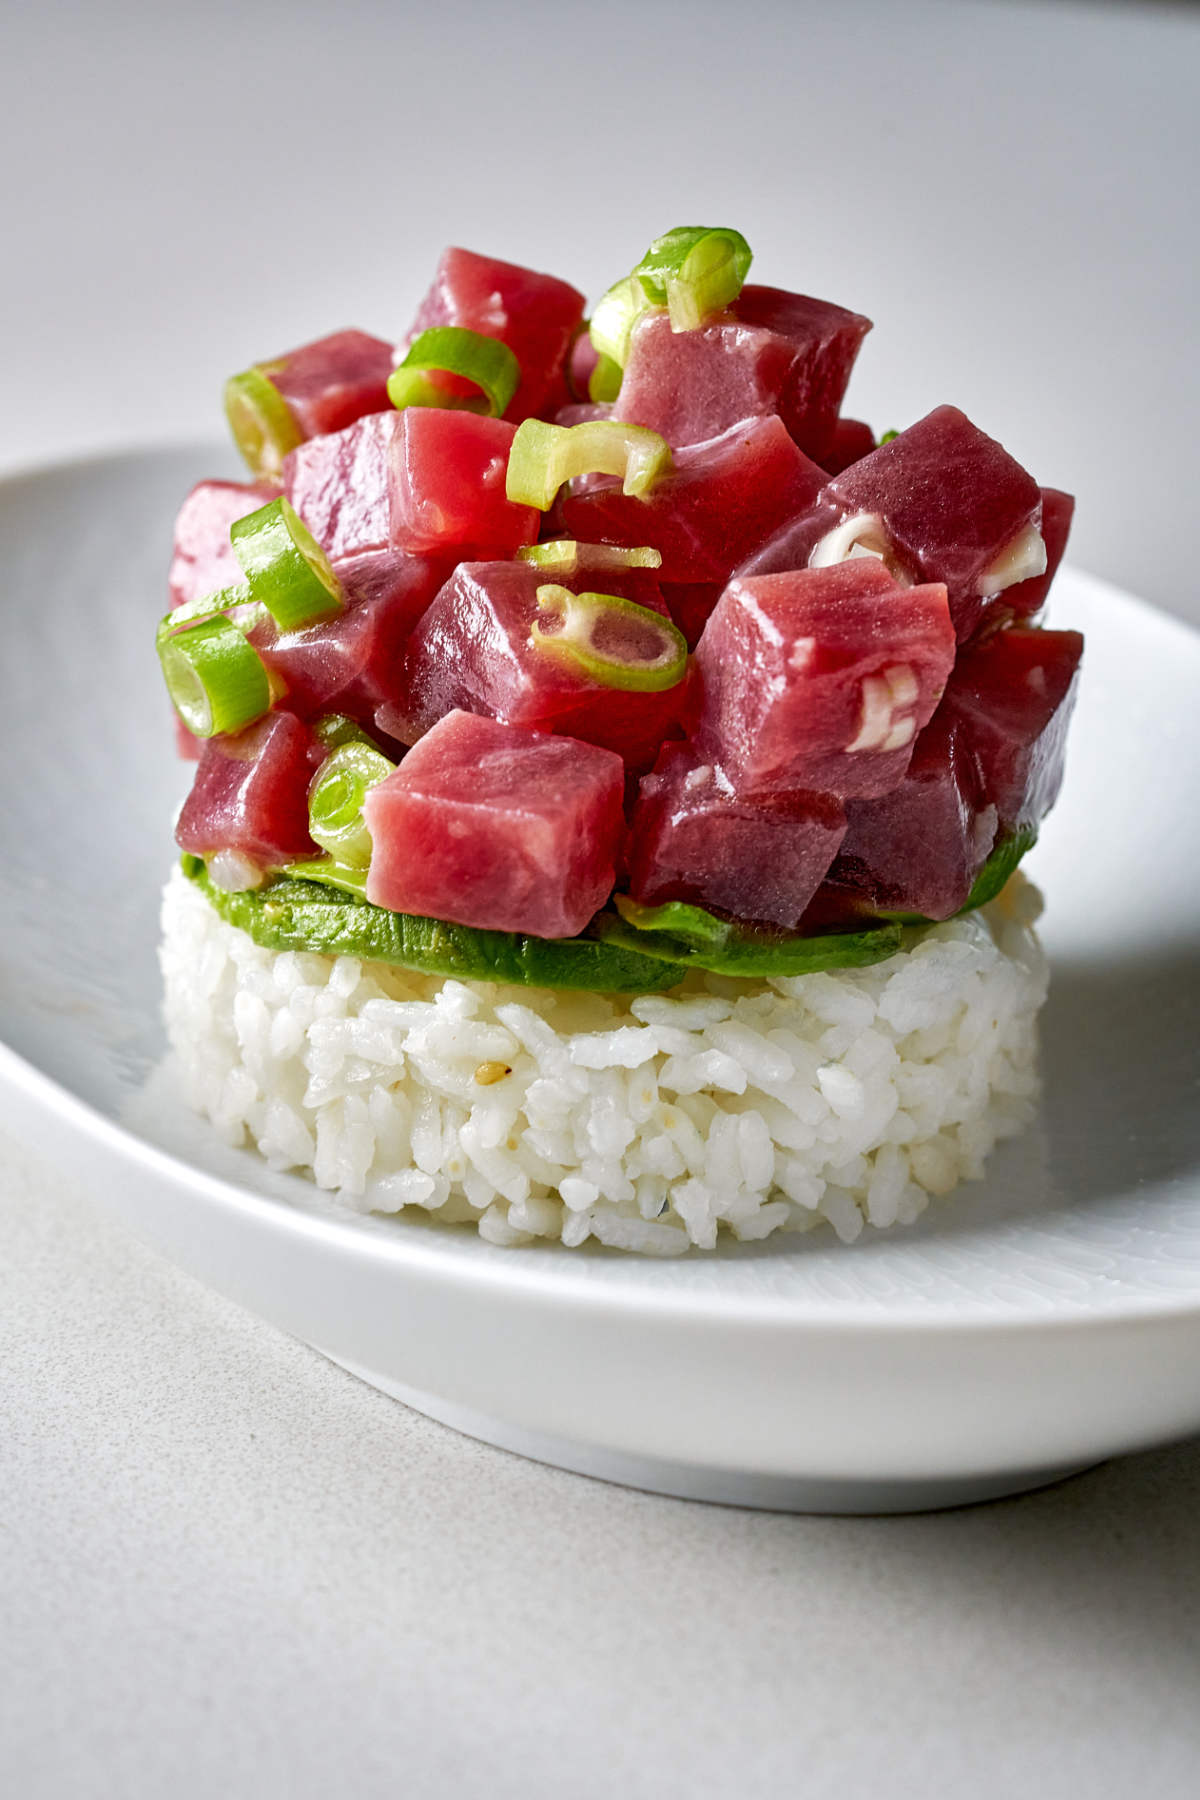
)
(227, 1568)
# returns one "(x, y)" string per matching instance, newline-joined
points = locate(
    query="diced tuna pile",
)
(725, 650)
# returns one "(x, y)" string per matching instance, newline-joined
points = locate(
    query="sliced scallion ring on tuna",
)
(610, 640)
(286, 568)
(331, 873)
(335, 729)
(695, 271)
(335, 801)
(453, 350)
(260, 419)
(543, 456)
(604, 382)
(222, 604)
(611, 324)
(566, 556)
(216, 680)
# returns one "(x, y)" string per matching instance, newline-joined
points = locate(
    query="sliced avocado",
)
(698, 940)
(292, 914)
(999, 866)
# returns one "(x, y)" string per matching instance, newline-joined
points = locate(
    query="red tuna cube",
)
(203, 558)
(474, 651)
(774, 352)
(250, 793)
(851, 440)
(448, 472)
(537, 316)
(1028, 597)
(333, 381)
(919, 848)
(690, 604)
(693, 839)
(820, 679)
(339, 484)
(723, 501)
(489, 825)
(950, 504)
(352, 662)
(1013, 694)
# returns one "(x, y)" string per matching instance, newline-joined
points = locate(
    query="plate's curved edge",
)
(49, 1100)
(100, 457)
(439, 1258)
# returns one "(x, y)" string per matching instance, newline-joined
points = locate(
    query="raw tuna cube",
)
(330, 383)
(473, 651)
(690, 604)
(581, 412)
(251, 793)
(794, 543)
(339, 485)
(1013, 694)
(352, 663)
(203, 558)
(1028, 597)
(773, 353)
(820, 679)
(952, 505)
(448, 473)
(693, 839)
(489, 825)
(919, 848)
(851, 440)
(537, 316)
(723, 501)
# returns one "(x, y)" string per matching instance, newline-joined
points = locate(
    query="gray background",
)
(225, 1567)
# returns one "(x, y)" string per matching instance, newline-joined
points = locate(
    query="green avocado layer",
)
(627, 949)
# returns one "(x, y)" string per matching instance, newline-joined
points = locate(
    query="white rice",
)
(648, 1123)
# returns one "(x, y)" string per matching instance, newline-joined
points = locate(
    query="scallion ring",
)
(335, 801)
(695, 271)
(216, 680)
(611, 324)
(453, 350)
(610, 640)
(543, 456)
(260, 419)
(565, 556)
(286, 568)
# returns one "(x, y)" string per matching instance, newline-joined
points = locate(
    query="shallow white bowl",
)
(1033, 1323)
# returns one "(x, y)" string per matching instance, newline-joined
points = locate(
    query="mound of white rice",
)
(648, 1123)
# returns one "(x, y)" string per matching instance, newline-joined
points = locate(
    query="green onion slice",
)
(222, 604)
(335, 729)
(260, 419)
(543, 456)
(695, 271)
(453, 350)
(566, 556)
(610, 640)
(286, 568)
(335, 801)
(216, 679)
(332, 874)
(610, 327)
(604, 382)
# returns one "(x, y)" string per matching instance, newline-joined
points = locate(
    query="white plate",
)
(1036, 1322)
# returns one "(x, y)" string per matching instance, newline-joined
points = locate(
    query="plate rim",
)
(438, 1257)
